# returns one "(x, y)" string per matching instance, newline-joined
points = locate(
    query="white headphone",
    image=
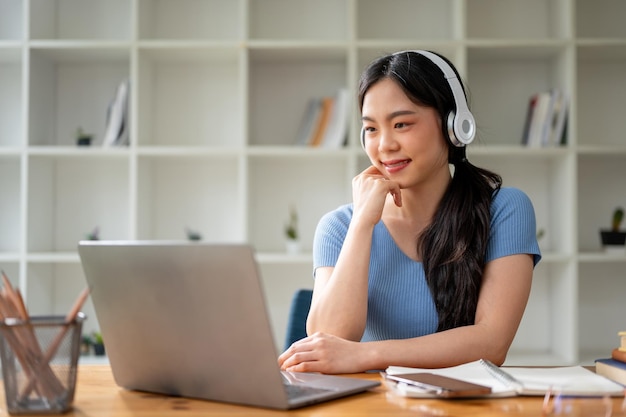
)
(460, 123)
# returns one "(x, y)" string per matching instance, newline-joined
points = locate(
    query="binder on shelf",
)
(116, 132)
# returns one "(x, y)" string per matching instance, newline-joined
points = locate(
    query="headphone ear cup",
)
(363, 137)
(450, 129)
(461, 128)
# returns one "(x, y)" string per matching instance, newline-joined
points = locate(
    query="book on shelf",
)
(116, 132)
(337, 129)
(309, 121)
(612, 369)
(322, 122)
(512, 381)
(325, 121)
(546, 119)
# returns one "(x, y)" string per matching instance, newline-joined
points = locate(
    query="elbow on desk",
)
(496, 354)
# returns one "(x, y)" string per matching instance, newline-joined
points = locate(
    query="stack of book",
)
(325, 121)
(546, 119)
(614, 367)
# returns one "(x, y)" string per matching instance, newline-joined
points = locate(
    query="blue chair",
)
(296, 325)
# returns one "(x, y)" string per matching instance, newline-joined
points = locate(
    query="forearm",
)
(339, 305)
(449, 348)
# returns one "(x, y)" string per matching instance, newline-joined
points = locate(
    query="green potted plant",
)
(292, 236)
(97, 343)
(614, 237)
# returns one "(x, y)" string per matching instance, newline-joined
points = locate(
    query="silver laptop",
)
(189, 319)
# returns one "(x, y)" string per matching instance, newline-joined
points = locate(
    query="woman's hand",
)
(369, 192)
(323, 353)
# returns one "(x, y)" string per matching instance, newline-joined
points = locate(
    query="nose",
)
(387, 141)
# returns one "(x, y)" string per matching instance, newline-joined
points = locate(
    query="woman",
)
(426, 268)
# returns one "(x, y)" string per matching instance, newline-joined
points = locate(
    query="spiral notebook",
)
(514, 381)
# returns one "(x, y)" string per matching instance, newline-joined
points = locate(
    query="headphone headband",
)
(460, 123)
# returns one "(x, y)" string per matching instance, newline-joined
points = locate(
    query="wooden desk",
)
(97, 395)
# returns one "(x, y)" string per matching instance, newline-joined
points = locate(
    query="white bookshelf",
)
(218, 88)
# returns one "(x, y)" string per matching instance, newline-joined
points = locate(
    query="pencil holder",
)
(39, 363)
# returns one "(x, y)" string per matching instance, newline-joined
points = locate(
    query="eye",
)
(401, 125)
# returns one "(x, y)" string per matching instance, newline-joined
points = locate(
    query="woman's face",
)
(402, 139)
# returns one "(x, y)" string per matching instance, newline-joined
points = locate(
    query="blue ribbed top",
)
(400, 305)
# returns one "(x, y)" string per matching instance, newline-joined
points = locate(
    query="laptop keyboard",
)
(297, 391)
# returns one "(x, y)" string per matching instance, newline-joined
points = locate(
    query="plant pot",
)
(98, 349)
(84, 141)
(292, 246)
(613, 240)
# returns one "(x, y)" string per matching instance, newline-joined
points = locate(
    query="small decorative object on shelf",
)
(85, 345)
(614, 238)
(291, 232)
(94, 234)
(97, 343)
(193, 235)
(82, 138)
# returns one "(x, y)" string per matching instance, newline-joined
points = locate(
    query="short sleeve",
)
(329, 236)
(513, 226)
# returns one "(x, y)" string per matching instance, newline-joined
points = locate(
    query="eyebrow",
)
(392, 115)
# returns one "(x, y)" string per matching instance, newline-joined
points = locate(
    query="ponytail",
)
(453, 247)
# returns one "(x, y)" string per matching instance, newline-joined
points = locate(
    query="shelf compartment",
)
(79, 83)
(73, 195)
(80, 19)
(190, 97)
(52, 288)
(543, 333)
(368, 53)
(200, 193)
(545, 180)
(511, 19)
(11, 20)
(11, 100)
(600, 19)
(319, 20)
(500, 82)
(280, 284)
(273, 191)
(288, 78)
(600, 306)
(600, 86)
(406, 19)
(10, 204)
(190, 19)
(600, 191)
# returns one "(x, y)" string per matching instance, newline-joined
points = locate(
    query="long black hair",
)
(453, 246)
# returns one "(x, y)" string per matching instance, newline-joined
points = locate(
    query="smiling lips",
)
(395, 165)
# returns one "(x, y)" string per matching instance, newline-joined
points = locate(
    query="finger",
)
(296, 361)
(397, 195)
(372, 170)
